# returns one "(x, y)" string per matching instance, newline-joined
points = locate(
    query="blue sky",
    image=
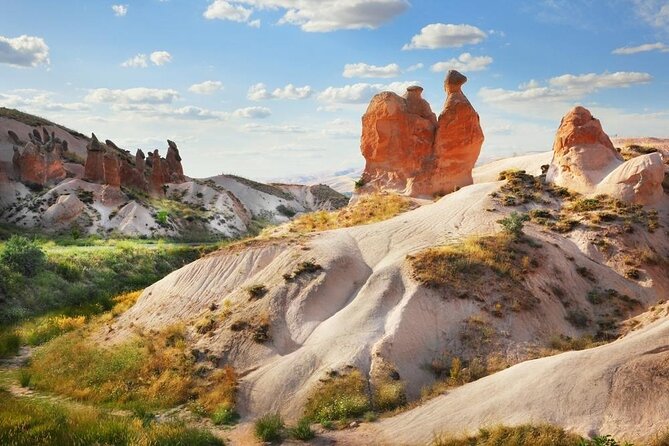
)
(276, 88)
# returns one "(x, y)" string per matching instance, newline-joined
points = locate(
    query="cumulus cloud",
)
(24, 51)
(259, 92)
(138, 95)
(120, 10)
(284, 128)
(252, 112)
(160, 58)
(39, 100)
(224, 10)
(653, 12)
(138, 61)
(464, 62)
(206, 87)
(157, 58)
(566, 87)
(313, 15)
(440, 35)
(360, 93)
(364, 70)
(646, 47)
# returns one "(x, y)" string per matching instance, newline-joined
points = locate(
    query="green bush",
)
(22, 255)
(269, 427)
(541, 435)
(303, 430)
(339, 399)
(9, 344)
(224, 415)
(513, 224)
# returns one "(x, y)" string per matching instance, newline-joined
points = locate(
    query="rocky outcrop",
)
(108, 164)
(175, 169)
(408, 150)
(65, 210)
(40, 162)
(585, 161)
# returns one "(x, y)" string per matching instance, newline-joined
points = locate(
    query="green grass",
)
(87, 277)
(9, 344)
(32, 422)
(338, 399)
(525, 435)
(269, 427)
(143, 374)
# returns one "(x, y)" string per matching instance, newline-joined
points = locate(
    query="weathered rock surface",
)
(407, 149)
(585, 161)
(65, 210)
(39, 162)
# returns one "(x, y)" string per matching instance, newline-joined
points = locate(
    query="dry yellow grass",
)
(368, 209)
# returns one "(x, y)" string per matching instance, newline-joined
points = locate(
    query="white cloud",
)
(465, 62)
(39, 100)
(360, 93)
(152, 111)
(157, 58)
(565, 87)
(224, 10)
(313, 15)
(138, 95)
(364, 70)
(24, 51)
(285, 128)
(138, 61)
(653, 12)
(259, 92)
(252, 112)
(206, 87)
(120, 10)
(627, 50)
(439, 35)
(254, 23)
(415, 67)
(160, 58)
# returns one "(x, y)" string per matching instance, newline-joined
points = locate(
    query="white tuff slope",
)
(364, 310)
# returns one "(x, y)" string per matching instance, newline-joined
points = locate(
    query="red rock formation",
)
(585, 161)
(408, 150)
(112, 170)
(39, 164)
(457, 143)
(94, 169)
(175, 169)
(157, 178)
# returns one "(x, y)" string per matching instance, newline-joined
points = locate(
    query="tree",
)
(22, 255)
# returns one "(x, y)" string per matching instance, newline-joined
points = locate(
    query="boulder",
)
(585, 161)
(63, 212)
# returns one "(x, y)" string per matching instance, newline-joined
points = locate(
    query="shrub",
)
(302, 431)
(339, 398)
(256, 291)
(578, 318)
(224, 415)
(513, 224)
(9, 344)
(389, 395)
(22, 255)
(269, 427)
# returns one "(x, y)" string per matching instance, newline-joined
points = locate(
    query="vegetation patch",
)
(540, 435)
(31, 422)
(339, 398)
(368, 209)
(36, 277)
(153, 372)
(269, 427)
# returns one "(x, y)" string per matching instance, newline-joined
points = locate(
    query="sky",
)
(276, 88)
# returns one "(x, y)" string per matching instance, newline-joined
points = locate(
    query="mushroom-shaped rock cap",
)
(454, 80)
(140, 154)
(413, 88)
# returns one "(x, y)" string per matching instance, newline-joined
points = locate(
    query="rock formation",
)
(108, 164)
(585, 161)
(40, 161)
(407, 149)
(66, 209)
